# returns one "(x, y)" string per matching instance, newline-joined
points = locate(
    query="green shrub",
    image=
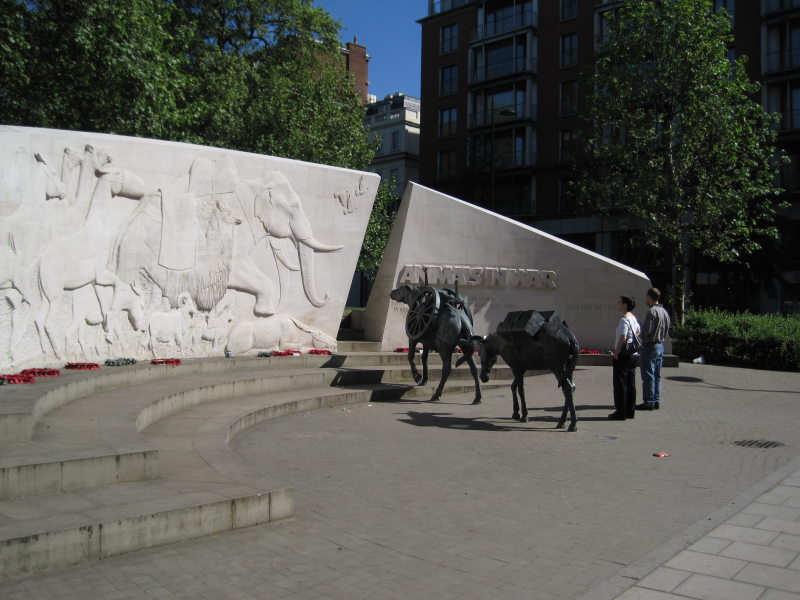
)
(744, 339)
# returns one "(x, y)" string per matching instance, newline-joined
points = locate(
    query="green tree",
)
(98, 65)
(381, 220)
(262, 76)
(676, 145)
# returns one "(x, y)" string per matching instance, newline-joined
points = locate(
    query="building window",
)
(569, 50)
(567, 143)
(569, 97)
(783, 46)
(395, 140)
(569, 9)
(447, 121)
(449, 39)
(448, 80)
(447, 164)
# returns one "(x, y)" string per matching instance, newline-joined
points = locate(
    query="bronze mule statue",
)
(439, 319)
(529, 340)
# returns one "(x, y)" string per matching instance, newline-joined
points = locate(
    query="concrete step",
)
(95, 440)
(23, 405)
(203, 489)
(347, 346)
(140, 456)
(60, 530)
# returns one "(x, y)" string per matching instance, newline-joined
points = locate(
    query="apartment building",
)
(500, 116)
(394, 123)
(356, 61)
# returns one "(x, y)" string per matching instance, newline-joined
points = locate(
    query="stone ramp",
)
(138, 456)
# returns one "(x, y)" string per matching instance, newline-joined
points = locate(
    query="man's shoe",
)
(657, 406)
(645, 406)
(615, 416)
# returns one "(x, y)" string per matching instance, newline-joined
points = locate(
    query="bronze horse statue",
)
(440, 321)
(551, 347)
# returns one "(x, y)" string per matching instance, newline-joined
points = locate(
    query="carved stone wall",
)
(500, 266)
(113, 246)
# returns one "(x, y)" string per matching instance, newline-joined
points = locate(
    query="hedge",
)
(742, 339)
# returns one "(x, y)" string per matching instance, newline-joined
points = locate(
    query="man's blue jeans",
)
(652, 356)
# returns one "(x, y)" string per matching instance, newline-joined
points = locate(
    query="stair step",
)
(53, 531)
(347, 346)
(132, 457)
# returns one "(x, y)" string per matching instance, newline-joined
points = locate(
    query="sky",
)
(391, 34)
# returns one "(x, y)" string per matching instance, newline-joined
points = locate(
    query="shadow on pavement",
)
(447, 421)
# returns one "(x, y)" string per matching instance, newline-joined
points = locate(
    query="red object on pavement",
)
(661, 454)
(323, 352)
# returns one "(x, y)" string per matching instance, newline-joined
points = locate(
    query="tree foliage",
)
(256, 75)
(380, 225)
(676, 143)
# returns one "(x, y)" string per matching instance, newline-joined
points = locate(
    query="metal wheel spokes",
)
(422, 312)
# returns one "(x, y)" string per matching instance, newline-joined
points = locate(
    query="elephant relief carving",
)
(211, 251)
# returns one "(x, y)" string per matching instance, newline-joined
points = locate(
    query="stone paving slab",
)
(745, 557)
(418, 500)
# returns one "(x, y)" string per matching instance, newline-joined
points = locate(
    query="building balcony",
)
(503, 161)
(503, 69)
(773, 6)
(528, 18)
(782, 61)
(484, 118)
(434, 8)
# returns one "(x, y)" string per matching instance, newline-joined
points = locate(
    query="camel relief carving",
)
(95, 256)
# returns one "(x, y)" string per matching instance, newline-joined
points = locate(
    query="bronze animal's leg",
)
(515, 412)
(521, 390)
(425, 351)
(414, 373)
(567, 387)
(468, 349)
(446, 366)
(474, 370)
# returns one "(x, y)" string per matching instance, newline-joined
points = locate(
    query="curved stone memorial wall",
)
(115, 246)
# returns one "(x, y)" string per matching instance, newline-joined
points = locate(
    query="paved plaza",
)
(414, 500)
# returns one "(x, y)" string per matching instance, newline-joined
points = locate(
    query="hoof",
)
(573, 427)
(417, 378)
(524, 419)
(560, 425)
(435, 398)
(476, 401)
(515, 417)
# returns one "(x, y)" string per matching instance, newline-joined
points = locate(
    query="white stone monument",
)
(114, 246)
(500, 265)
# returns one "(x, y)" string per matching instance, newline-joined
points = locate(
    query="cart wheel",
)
(422, 312)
